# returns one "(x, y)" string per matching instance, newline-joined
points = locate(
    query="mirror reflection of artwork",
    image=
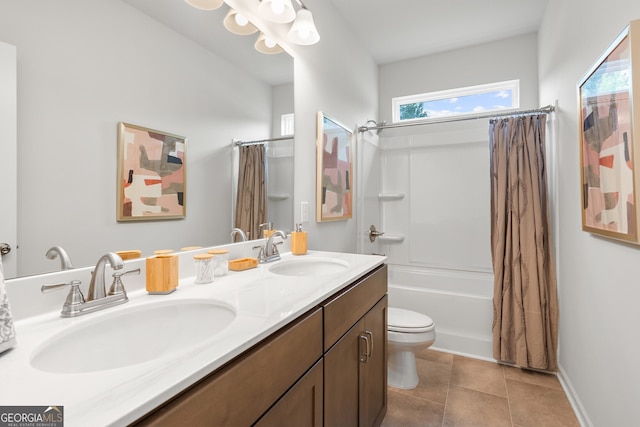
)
(334, 170)
(609, 205)
(151, 174)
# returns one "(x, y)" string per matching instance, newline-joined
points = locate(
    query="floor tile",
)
(466, 392)
(478, 375)
(534, 405)
(435, 356)
(409, 411)
(433, 373)
(466, 408)
(532, 377)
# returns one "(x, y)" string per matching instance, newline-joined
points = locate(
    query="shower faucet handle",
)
(373, 233)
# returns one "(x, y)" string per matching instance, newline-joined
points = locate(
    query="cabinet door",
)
(341, 380)
(342, 311)
(301, 406)
(373, 369)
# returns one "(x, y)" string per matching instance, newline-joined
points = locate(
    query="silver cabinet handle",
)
(364, 355)
(369, 349)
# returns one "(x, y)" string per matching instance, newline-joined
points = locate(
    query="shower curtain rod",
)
(545, 110)
(238, 143)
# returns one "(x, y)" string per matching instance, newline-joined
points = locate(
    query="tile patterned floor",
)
(464, 392)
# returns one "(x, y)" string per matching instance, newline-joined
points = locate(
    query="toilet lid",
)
(401, 320)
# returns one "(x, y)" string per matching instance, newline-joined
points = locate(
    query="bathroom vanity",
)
(332, 357)
(301, 341)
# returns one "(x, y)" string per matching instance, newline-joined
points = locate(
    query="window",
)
(464, 101)
(286, 124)
(614, 77)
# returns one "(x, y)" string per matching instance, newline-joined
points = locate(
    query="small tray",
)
(131, 254)
(241, 264)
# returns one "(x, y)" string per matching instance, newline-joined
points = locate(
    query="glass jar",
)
(203, 268)
(220, 261)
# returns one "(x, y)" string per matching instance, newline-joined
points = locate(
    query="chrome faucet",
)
(270, 250)
(97, 289)
(58, 251)
(243, 236)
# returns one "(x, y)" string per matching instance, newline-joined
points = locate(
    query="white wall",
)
(338, 77)
(599, 289)
(83, 67)
(503, 60)
(281, 103)
(8, 166)
(442, 268)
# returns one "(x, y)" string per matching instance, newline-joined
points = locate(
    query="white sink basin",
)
(309, 267)
(132, 336)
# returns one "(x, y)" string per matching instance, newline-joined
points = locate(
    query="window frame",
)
(512, 85)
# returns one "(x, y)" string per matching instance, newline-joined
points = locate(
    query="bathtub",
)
(459, 302)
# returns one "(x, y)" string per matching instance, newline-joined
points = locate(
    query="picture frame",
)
(151, 174)
(608, 120)
(334, 180)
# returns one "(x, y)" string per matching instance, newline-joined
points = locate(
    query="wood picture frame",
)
(334, 180)
(151, 174)
(608, 119)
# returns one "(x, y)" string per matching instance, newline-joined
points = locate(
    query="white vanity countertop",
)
(263, 302)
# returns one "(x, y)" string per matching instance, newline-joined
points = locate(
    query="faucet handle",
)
(117, 287)
(74, 297)
(127, 273)
(45, 289)
(261, 256)
(274, 247)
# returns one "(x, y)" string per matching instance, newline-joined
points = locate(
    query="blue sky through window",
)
(468, 104)
(471, 100)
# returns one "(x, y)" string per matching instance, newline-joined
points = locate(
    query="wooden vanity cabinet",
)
(242, 391)
(355, 359)
(326, 368)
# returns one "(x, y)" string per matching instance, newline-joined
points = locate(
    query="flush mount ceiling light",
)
(279, 11)
(303, 31)
(205, 4)
(238, 24)
(266, 45)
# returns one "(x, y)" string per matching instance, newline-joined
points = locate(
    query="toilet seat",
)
(401, 320)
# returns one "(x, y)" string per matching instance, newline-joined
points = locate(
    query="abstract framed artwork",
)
(151, 174)
(334, 180)
(608, 134)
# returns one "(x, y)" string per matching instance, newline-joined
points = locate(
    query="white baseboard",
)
(574, 400)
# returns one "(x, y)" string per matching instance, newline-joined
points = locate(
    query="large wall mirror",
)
(83, 68)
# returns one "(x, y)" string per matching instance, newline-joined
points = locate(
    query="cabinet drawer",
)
(239, 393)
(342, 311)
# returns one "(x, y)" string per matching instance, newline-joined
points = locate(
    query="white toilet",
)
(407, 333)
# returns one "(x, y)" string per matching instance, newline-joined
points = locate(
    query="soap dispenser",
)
(298, 241)
(268, 230)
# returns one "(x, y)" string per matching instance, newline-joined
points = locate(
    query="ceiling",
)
(206, 29)
(391, 31)
(413, 28)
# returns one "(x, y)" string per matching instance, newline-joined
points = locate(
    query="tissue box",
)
(162, 274)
